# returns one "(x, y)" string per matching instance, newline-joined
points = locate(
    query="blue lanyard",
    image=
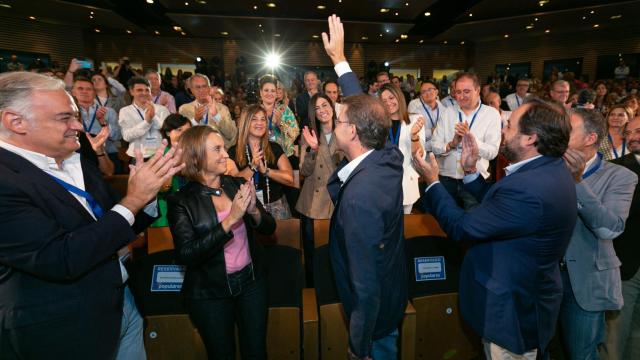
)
(100, 102)
(451, 100)
(256, 175)
(429, 114)
(270, 117)
(594, 168)
(93, 204)
(139, 113)
(87, 129)
(206, 117)
(395, 138)
(613, 147)
(473, 119)
(517, 101)
(155, 101)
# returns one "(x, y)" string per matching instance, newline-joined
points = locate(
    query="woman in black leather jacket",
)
(212, 220)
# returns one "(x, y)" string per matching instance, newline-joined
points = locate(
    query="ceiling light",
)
(91, 12)
(157, 32)
(177, 28)
(584, 18)
(90, 16)
(271, 5)
(321, 7)
(384, 10)
(421, 41)
(186, 4)
(276, 35)
(183, 33)
(380, 35)
(529, 27)
(470, 15)
(406, 4)
(386, 64)
(32, 17)
(615, 17)
(461, 42)
(535, 19)
(96, 30)
(364, 38)
(445, 42)
(547, 31)
(543, 2)
(397, 40)
(202, 2)
(387, 30)
(149, 1)
(427, 14)
(5, 5)
(259, 25)
(224, 33)
(129, 31)
(592, 12)
(506, 36)
(272, 60)
(396, 14)
(404, 36)
(315, 36)
(255, 7)
(596, 25)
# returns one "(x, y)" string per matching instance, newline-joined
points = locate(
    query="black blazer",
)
(57, 262)
(626, 245)
(199, 238)
(302, 108)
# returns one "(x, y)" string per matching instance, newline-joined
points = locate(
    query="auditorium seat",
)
(440, 331)
(334, 338)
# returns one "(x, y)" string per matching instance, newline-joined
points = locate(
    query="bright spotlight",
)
(386, 64)
(272, 60)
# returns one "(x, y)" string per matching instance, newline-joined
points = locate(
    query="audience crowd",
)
(255, 150)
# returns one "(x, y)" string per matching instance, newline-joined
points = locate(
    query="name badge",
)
(167, 278)
(430, 268)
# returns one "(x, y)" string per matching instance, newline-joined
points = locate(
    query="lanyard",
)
(594, 168)
(155, 101)
(100, 102)
(256, 174)
(395, 138)
(473, 119)
(615, 152)
(93, 204)
(206, 116)
(429, 114)
(451, 100)
(139, 113)
(270, 117)
(93, 119)
(517, 101)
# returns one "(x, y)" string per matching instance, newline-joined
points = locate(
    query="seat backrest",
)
(421, 225)
(323, 277)
(159, 239)
(433, 265)
(321, 232)
(168, 337)
(119, 183)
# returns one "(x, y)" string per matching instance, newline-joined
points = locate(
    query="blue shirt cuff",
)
(470, 178)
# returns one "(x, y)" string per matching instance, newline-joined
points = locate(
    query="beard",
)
(510, 150)
(634, 147)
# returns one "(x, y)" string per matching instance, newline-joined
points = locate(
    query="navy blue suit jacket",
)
(58, 264)
(510, 286)
(366, 245)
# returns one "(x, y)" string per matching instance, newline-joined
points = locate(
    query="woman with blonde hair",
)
(614, 145)
(264, 161)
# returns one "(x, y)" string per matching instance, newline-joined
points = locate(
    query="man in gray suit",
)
(591, 269)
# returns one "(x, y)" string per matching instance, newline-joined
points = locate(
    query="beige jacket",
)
(314, 201)
(222, 121)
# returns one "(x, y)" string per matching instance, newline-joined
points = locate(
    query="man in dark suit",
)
(623, 331)
(366, 240)
(302, 100)
(62, 225)
(510, 287)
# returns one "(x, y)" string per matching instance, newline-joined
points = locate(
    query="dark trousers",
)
(246, 307)
(455, 188)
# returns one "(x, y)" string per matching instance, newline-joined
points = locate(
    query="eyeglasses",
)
(465, 92)
(427, 90)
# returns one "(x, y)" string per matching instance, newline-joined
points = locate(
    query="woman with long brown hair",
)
(614, 145)
(263, 161)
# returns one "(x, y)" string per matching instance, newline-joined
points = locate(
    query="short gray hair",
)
(198, 75)
(592, 122)
(16, 89)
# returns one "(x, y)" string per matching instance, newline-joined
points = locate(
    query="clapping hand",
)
(461, 129)
(470, 153)
(240, 203)
(427, 168)
(310, 138)
(334, 42)
(576, 163)
(100, 114)
(417, 126)
(97, 142)
(150, 113)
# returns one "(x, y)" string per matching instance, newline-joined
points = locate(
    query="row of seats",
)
(308, 323)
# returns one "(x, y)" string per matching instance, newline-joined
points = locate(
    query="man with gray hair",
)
(590, 268)
(63, 291)
(205, 110)
(302, 100)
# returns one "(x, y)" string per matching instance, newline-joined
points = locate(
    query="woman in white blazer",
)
(404, 134)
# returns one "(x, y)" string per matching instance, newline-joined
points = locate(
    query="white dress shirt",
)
(346, 171)
(449, 102)
(514, 100)
(486, 129)
(140, 133)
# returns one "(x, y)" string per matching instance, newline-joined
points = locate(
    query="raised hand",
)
(460, 130)
(334, 42)
(200, 111)
(74, 65)
(417, 126)
(576, 163)
(146, 178)
(240, 203)
(213, 109)
(310, 138)
(470, 153)
(97, 142)
(100, 114)
(251, 208)
(277, 117)
(427, 168)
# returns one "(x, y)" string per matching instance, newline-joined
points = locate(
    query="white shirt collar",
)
(346, 171)
(589, 164)
(41, 161)
(637, 158)
(514, 167)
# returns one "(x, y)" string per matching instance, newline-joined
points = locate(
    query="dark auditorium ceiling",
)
(369, 21)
